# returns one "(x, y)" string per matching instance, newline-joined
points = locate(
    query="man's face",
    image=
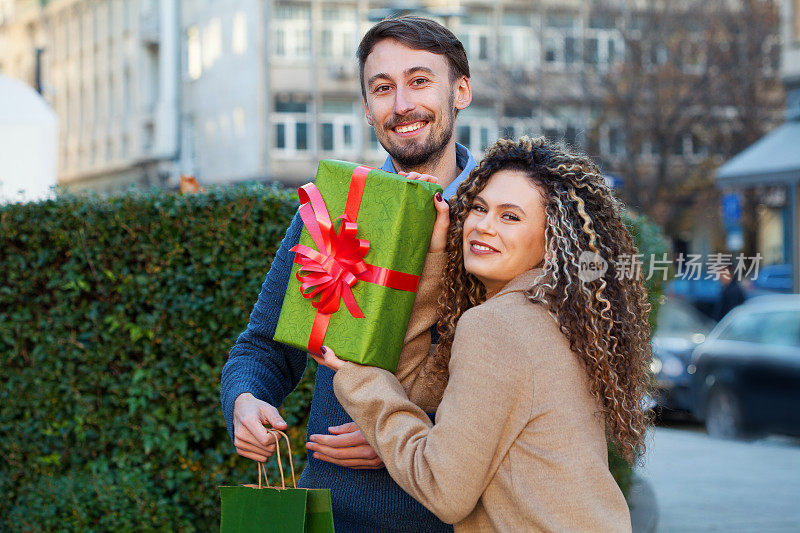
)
(411, 101)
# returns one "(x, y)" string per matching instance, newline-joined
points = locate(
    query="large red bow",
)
(330, 272)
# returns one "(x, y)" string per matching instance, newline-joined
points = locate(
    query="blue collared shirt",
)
(464, 159)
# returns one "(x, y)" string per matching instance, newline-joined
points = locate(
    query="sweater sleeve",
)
(257, 364)
(446, 466)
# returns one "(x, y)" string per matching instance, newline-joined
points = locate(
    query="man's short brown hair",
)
(417, 33)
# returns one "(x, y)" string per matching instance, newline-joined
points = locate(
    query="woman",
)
(545, 360)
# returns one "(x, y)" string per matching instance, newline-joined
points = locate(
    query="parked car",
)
(746, 375)
(773, 279)
(680, 328)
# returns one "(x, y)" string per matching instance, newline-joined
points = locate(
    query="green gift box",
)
(366, 233)
(265, 509)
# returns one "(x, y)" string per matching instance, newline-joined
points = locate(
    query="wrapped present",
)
(261, 508)
(366, 233)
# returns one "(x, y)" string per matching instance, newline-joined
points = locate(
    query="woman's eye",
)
(477, 207)
(511, 216)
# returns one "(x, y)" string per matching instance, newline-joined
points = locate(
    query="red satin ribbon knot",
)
(328, 274)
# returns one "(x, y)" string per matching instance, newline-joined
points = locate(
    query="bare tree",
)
(698, 83)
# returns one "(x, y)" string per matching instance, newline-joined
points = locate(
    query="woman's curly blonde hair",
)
(605, 320)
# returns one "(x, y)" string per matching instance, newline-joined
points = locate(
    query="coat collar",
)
(521, 283)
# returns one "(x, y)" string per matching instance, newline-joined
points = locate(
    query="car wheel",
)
(723, 415)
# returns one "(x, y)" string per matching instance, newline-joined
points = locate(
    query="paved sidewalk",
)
(707, 484)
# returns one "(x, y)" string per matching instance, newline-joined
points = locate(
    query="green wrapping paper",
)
(396, 216)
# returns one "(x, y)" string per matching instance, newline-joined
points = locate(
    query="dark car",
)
(746, 375)
(680, 329)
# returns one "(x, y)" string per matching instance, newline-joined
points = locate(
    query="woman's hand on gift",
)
(328, 358)
(442, 224)
(250, 437)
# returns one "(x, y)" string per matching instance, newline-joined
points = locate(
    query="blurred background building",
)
(659, 93)
(767, 173)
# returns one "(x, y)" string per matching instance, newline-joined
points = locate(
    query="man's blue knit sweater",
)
(363, 500)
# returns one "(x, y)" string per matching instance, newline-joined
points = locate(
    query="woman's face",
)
(504, 229)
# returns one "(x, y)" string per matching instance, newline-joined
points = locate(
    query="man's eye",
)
(381, 88)
(419, 81)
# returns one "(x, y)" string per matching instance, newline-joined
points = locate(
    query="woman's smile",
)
(481, 248)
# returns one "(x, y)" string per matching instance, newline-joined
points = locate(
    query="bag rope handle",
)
(276, 434)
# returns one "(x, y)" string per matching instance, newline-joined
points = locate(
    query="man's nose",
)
(402, 103)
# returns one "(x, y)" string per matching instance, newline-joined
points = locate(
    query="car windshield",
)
(778, 328)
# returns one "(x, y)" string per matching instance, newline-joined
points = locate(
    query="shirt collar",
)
(464, 159)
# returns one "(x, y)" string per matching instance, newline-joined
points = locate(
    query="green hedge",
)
(116, 317)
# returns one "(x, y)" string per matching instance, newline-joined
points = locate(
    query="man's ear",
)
(367, 114)
(463, 93)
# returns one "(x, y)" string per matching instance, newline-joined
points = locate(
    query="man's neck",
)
(445, 167)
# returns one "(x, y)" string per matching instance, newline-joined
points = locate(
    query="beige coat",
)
(518, 443)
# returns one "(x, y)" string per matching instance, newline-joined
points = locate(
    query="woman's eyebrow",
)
(511, 206)
(502, 206)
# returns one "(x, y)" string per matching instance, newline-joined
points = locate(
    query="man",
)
(414, 80)
(730, 295)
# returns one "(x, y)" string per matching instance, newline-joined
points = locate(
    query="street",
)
(706, 484)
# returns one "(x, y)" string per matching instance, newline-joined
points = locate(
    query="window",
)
(291, 124)
(193, 53)
(212, 42)
(338, 122)
(477, 128)
(338, 36)
(564, 124)
(464, 135)
(474, 35)
(602, 41)
(561, 35)
(291, 29)
(744, 328)
(782, 328)
(519, 45)
(239, 33)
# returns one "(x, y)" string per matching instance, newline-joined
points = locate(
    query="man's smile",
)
(406, 130)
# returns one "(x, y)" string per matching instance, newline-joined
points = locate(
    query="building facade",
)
(769, 170)
(233, 90)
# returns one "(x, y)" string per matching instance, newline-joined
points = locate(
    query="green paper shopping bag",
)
(261, 508)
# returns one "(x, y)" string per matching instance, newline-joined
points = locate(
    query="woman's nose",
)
(485, 225)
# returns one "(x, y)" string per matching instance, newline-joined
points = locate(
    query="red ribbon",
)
(328, 274)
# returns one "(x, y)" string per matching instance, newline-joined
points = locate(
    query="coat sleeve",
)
(446, 466)
(417, 342)
(258, 364)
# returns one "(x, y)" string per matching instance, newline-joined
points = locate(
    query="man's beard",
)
(416, 155)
